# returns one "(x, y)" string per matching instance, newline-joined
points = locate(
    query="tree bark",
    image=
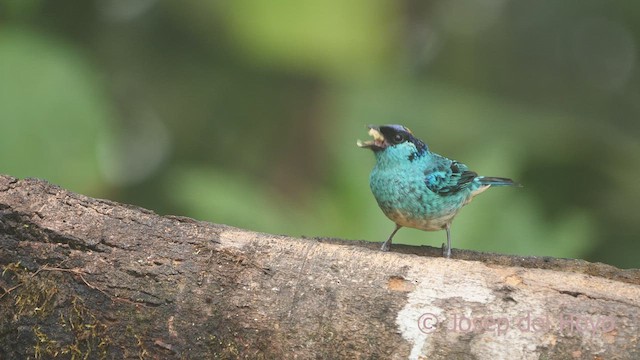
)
(89, 278)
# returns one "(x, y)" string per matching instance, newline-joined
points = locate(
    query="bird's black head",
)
(386, 136)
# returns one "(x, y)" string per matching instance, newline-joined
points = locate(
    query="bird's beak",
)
(378, 142)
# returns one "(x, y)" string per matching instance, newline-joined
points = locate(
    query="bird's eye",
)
(398, 138)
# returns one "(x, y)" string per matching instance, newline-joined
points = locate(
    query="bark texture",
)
(90, 278)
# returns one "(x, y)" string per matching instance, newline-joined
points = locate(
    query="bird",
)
(417, 188)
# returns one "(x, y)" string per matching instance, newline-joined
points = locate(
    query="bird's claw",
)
(446, 251)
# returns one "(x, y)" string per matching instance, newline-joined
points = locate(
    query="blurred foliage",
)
(247, 112)
(53, 114)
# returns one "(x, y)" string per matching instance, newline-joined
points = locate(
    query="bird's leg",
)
(446, 251)
(386, 246)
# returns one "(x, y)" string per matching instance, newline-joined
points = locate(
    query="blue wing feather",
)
(448, 177)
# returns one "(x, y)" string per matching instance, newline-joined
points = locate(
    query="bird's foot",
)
(385, 246)
(446, 251)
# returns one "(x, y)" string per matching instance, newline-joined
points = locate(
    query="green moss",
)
(142, 350)
(44, 346)
(76, 334)
(223, 348)
(32, 295)
(36, 297)
(88, 336)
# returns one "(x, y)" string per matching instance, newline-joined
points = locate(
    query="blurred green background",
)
(247, 112)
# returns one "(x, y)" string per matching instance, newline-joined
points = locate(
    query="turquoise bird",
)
(417, 188)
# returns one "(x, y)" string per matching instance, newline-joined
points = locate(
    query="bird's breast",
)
(404, 198)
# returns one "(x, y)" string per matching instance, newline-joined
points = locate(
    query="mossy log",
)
(89, 278)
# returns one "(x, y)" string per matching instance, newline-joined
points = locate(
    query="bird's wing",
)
(448, 177)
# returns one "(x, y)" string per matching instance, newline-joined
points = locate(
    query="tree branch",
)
(89, 277)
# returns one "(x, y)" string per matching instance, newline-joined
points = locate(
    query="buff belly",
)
(427, 218)
(428, 224)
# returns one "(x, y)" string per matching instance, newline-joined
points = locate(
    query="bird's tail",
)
(496, 181)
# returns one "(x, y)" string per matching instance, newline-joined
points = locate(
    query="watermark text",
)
(565, 324)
